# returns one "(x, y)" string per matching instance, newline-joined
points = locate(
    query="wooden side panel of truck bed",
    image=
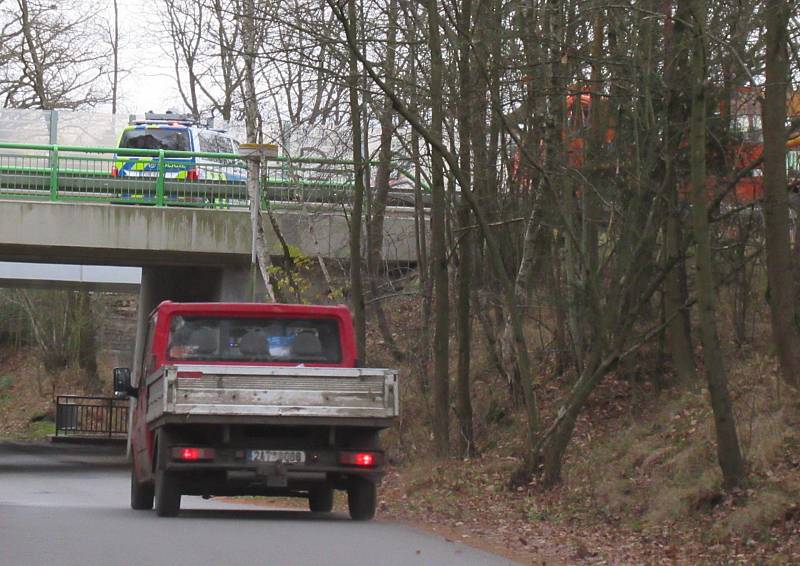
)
(197, 391)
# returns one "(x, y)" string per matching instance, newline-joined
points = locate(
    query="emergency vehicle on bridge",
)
(176, 132)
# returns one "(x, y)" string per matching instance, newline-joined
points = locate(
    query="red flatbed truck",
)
(255, 399)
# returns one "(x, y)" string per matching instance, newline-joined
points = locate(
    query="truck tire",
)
(361, 499)
(320, 500)
(168, 495)
(141, 494)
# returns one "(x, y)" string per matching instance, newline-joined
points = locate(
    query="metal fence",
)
(174, 178)
(91, 416)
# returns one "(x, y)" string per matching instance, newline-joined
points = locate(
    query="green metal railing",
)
(172, 178)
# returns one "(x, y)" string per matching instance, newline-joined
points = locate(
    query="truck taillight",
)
(365, 459)
(192, 454)
(190, 374)
(360, 459)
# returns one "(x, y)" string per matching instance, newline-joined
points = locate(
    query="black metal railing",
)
(78, 415)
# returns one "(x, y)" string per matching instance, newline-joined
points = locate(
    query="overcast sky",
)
(149, 83)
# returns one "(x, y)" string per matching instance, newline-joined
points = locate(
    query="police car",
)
(175, 132)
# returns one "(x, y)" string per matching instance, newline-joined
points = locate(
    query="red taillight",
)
(191, 454)
(360, 459)
(192, 175)
(190, 374)
(365, 459)
(114, 172)
(188, 454)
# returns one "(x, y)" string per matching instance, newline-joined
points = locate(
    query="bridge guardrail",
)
(173, 178)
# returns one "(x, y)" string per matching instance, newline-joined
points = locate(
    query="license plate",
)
(273, 456)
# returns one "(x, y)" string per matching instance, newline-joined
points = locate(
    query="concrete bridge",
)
(192, 239)
(107, 234)
(71, 204)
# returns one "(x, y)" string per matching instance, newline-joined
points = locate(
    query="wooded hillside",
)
(607, 239)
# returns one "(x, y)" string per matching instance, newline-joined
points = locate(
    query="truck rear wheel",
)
(168, 495)
(320, 500)
(361, 498)
(141, 493)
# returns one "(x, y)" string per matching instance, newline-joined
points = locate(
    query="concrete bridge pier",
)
(185, 284)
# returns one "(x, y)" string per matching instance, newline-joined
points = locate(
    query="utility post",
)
(52, 127)
(52, 136)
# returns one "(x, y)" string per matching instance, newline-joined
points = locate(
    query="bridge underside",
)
(103, 234)
(66, 276)
(186, 254)
(101, 286)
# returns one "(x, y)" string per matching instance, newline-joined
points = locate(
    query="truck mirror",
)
(122, 382)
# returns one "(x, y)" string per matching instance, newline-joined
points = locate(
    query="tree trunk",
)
(87, 341)
(728, 450)
(420, 229)
(115, 48)
(375, 223)
(780, 275)
(439, 272)
(675, 288)
(556, 162)
(466, 440)
(356, 285)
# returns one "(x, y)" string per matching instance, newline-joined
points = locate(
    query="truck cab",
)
(255, 399)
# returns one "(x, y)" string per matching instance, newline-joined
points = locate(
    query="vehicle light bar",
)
(192, 454)
(190, 374)
(360, 459)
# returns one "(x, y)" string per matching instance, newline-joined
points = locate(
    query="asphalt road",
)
(67, 505)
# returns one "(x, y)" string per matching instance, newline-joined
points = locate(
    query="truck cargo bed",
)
(202, 392)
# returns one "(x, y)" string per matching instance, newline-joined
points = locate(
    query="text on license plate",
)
(270, 456)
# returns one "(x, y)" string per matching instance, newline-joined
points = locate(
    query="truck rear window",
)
(237, 339)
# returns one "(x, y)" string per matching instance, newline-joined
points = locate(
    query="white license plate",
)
(273, 456)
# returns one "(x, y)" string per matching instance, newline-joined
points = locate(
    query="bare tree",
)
(63, 327)
(560, 170)
(185, 24)
(53, 55)
(728, 450)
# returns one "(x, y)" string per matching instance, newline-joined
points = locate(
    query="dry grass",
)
(660, 471)
(642, 481)
(30, 393)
